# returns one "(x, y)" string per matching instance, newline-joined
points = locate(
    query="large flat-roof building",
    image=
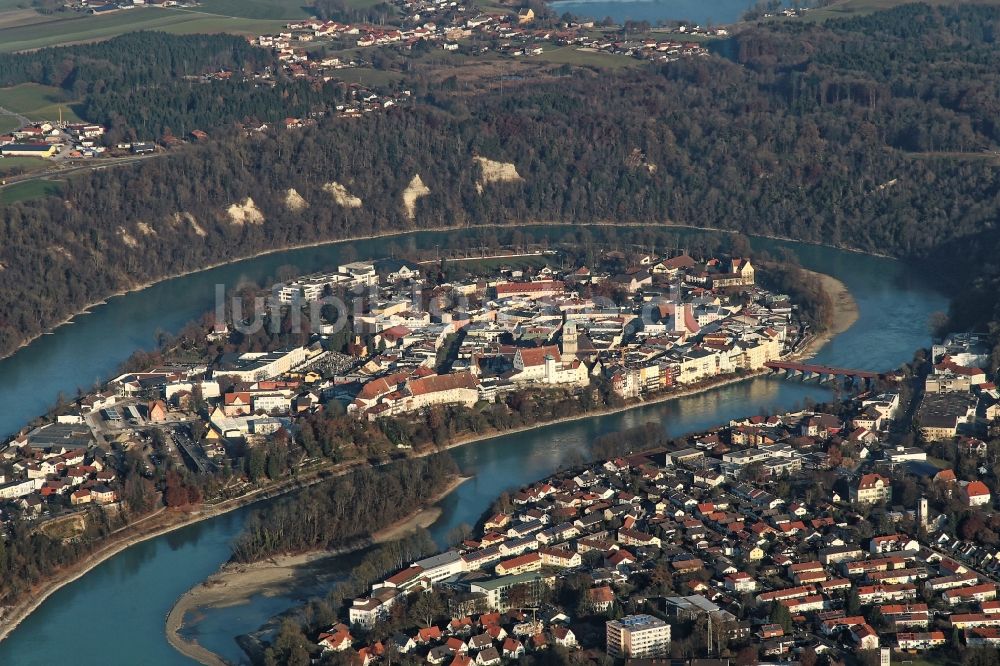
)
(254, 367)
(638, 636)
(28, 150)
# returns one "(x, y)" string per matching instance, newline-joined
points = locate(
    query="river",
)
(115, 614)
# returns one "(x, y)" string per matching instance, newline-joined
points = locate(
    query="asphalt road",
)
(74, 166)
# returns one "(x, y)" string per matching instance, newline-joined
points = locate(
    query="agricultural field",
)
(75, 28)
(258, 9)
(38, 102)
(29, 189)
(11, 18)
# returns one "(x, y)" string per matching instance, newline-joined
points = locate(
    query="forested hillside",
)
(138, 58)
(810, 133)
(147, 84)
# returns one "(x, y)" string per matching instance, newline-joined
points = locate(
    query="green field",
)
(8, 123)
(76, 28)
(259, 9)
(22, 165)
(570, 55)
(31, 189)
(849, 8)
(38, 102)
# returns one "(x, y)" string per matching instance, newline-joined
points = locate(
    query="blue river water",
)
(122, 603)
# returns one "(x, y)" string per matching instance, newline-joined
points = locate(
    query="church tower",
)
(679, 325)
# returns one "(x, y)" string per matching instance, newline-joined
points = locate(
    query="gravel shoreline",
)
(236, 584)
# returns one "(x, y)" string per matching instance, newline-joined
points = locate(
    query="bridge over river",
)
(824, 373)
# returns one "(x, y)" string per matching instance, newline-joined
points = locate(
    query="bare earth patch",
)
(294, 200)
(127, 238)
(491, 171)
(245, 213)
(180, 218)
(413, 192)
(341, 195)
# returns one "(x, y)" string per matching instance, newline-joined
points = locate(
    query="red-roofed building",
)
(520, 564)
(976, 494)
(428, 634)
(337, 639)
(544, 365)
(538, 289)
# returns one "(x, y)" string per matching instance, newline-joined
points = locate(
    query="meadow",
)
(38, 102)
(29, 189)
(570, 55)
(10, 165)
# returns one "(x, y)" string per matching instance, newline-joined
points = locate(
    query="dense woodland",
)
(90, 68)
(344, 509)
(141, 97)
(808, 132)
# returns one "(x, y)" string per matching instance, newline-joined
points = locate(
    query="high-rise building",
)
(638, 636)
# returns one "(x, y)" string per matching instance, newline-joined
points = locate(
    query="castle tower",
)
(569, 341)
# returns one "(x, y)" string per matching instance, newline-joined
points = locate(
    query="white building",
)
(638, 636)
(257, 366)
(544, 365)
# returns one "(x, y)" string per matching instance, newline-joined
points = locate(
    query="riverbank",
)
(17, 614)
(175, 520)
(236, 584)
(160, 522)
(845, 314)
(392, 234)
